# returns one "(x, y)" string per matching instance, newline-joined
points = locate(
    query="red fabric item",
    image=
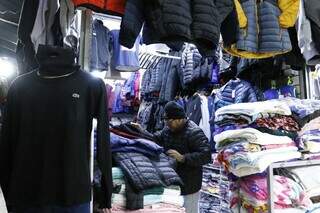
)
(100, 4)
(114, 7)
(123, 134)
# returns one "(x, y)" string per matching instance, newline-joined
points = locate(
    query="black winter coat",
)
(175, 20)
(144, 173)
(193, 144)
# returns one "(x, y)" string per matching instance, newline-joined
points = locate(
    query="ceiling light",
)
(8, 68)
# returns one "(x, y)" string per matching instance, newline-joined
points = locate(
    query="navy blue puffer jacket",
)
(235, 91)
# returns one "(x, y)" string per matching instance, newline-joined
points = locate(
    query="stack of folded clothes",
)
(303, 110)
(248, 151)
(244, 114)
(146, 169)
(253, 194)
(249, 138)
(156, 208)
(309, 139)
(310, 182)
(142, 170)
(152, 196)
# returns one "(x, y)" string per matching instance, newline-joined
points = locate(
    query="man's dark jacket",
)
(193, 144)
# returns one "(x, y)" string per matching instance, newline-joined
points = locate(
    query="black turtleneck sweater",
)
(45, 147)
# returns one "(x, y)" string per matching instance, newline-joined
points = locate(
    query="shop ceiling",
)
(9, 18)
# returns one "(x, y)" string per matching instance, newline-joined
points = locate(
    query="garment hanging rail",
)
(8, 22)
(151, 59)
(106, 16)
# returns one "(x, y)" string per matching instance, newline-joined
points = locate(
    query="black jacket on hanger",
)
(45, 147)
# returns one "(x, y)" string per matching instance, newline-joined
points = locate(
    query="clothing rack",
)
(220, 195)
(106, 16)
(151, 60)
(270, 178)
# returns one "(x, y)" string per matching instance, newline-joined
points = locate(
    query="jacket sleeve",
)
(243, 21)
(132, 22)
(224, 7)
(252, 95)
(289, 12)
(103, 144)
(200, 149)
(157, 137)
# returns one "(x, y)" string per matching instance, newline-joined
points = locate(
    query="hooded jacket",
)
(175, 20)
(262, 30)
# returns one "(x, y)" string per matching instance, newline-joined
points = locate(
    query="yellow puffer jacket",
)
(255, 37)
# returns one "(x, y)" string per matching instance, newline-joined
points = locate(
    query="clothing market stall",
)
(246, 72)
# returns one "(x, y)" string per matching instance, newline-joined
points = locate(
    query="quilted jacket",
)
(145, 173)
(194, 67)
(175, 20)
(193, 144)
(235, 91)
(263, 27)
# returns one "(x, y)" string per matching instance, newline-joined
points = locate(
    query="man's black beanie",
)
(172, 110)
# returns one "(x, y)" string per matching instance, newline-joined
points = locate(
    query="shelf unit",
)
(222, 181)
(289, 164)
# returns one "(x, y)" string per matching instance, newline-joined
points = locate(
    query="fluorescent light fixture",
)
(8, 68)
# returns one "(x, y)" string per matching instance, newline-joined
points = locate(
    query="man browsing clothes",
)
(184, 141)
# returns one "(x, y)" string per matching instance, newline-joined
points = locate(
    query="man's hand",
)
(136, 125)
(106, 211)
(176, 155)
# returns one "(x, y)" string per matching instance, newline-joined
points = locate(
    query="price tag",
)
(233, 94)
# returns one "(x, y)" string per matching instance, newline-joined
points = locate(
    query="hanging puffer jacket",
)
(114, 7)
(144, 90)
(263, 24)
(156, 77)
(190, 64)
(175, 20)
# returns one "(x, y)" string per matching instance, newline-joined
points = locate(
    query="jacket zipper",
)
(257, 24)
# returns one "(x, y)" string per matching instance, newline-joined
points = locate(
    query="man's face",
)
(175, 124)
